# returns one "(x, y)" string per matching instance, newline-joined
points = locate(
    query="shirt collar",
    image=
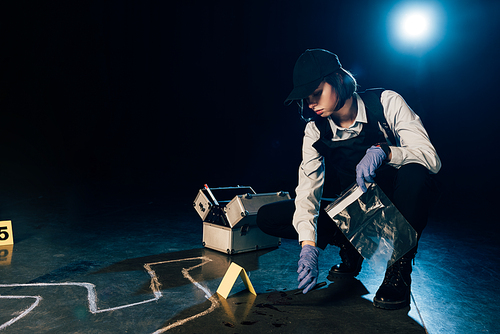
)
(356, 126)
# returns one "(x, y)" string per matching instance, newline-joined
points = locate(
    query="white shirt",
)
(412, 146)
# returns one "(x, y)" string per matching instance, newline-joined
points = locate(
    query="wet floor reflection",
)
(339, 307)
(340, 304)
(6, 254)
(170, 265)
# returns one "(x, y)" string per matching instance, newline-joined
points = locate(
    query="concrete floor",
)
(101, 261)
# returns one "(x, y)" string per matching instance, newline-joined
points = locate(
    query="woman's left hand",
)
(365, 170)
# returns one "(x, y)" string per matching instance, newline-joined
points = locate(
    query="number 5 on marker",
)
(6, 235)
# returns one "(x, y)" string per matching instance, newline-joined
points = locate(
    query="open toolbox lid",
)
(233, 206)
(213, 200)
(243, 208)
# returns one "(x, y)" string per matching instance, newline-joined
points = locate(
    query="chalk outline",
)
(28, 310)
(92, 296)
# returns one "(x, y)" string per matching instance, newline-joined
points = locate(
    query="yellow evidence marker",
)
(230, 277)
(6, 235)
(6, 242)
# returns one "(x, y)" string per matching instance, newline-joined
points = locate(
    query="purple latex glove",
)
(365, 170)
(308, 268)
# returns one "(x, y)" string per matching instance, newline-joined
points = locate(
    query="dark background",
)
(160, 97)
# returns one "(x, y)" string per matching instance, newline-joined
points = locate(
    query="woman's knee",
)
(274, 213)
(412, 179)
(276, 218)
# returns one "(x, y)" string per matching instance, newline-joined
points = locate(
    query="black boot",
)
(351, 263)
(394, 293)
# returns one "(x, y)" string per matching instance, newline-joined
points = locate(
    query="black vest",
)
(341, 157)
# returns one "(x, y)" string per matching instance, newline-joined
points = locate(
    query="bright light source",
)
(415, 25)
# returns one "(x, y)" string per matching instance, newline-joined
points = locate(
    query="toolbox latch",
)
(244, 229)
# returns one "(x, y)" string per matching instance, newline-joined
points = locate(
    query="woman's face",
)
(323, 100)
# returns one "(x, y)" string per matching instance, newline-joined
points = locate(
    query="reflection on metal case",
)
(229, 218)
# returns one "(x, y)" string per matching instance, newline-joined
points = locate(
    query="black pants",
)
(410, 188)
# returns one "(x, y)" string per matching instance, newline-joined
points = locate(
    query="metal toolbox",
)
(229, 225)
(242, 209)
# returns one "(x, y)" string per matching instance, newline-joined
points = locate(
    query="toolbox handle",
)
(230, 188)
(211, 195)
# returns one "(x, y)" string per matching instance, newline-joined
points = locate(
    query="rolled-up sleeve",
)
(413, 143)
(310, 187)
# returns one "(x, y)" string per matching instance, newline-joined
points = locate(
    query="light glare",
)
(414, 25)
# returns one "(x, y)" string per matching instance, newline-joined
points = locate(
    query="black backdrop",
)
(168, 96)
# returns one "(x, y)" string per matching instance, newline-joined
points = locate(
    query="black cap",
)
(310, 70)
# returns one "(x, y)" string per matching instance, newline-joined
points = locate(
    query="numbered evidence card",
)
(6, 242)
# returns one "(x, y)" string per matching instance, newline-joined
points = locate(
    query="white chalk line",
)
(213, 300)
(28, 310)
(92, 296)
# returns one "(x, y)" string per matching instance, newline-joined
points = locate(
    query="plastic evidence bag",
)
(373, 225)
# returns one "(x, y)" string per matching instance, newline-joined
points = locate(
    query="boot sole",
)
(390, 305)
(332, 275)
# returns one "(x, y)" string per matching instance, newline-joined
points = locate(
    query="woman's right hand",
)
(308, 267)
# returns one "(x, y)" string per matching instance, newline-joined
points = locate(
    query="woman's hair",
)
(344, 84)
